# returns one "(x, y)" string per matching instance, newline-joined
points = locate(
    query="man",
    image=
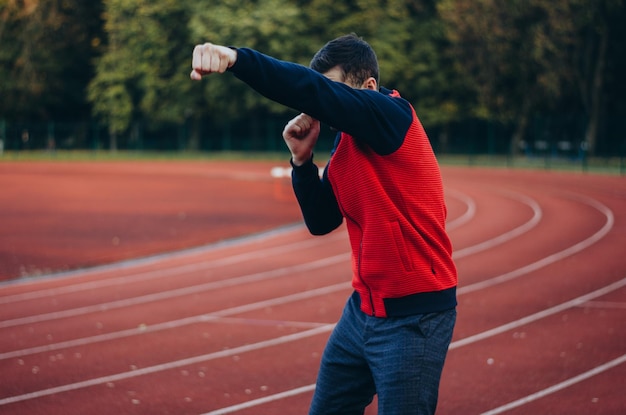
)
(383, 178)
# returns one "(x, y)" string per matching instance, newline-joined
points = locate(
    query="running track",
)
(237, 324)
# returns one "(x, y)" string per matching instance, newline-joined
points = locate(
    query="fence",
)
(550, 142)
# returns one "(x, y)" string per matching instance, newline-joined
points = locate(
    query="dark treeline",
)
(484, 75)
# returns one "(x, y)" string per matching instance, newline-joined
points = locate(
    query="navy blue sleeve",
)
(375, 118)
(316, 199)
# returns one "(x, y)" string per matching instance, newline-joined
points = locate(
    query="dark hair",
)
(352, 54)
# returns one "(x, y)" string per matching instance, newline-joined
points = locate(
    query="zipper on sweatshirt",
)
(358, 266)
(369, 291)
(348, 218)
(358, 258)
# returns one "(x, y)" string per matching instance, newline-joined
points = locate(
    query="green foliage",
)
(143, 73)
(410, 44)
(46, 48)
(525, 56)
(128, 61)
(270, 26)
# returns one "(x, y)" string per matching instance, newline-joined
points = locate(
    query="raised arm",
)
(370, 116)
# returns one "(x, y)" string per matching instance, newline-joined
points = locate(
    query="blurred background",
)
(520, 81)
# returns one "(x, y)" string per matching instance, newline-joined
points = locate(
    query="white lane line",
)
(605, 304)
(551, 259)
(170, 271)
(165, 295)
(193, 267)
(504, 408)
(541, 314)
(158, 258)
(202, 318)
(501, 329)
(285, 339)
(464, 342)
(507, 236)
(559, 386)
(467, 215)
(268, 323)
(169, 365)
(261, 401)
(169, 325)
(146, 371)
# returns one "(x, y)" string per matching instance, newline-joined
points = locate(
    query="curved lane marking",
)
(178, 292)
(294, 337)
(559, 386)
(149, 260)
(550, 259)
(169, 271)
(507, 236)
(469, 213)
(173, 324)
(193, 267)
(206, 286)
(460, 343)
(263, 400)
(323, 329)
(169, 365)
(539, 315)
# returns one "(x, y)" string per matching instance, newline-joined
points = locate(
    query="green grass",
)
(126, 155)
(608, 165)
(598, 165)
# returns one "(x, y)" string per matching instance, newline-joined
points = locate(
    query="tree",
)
(143, 74)
(597, 61)
(515, 53)
(271, 27)
(412, 49)
(422, 67)
(46, 52)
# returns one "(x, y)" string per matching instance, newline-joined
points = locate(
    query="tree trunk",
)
(112, 141)
(443, 139)
(520, 130)
(596, 94)
(192, 132)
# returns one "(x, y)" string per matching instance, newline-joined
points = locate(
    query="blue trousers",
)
(400, 359)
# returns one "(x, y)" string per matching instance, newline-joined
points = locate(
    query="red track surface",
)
(238, 326)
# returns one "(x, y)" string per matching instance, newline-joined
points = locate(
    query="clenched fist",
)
(209, 58)
(300, 135)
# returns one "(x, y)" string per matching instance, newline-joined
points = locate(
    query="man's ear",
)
(370, 83)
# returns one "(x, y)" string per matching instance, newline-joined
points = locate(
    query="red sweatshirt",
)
(382, 177)
(395, 214)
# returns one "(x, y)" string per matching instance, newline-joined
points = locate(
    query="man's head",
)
(350, 57)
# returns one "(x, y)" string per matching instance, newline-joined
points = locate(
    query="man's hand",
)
(300, 135)
(210, 58)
